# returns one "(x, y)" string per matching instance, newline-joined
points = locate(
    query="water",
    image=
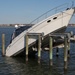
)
(18, 66)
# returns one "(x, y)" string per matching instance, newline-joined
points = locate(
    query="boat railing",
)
(50, 12)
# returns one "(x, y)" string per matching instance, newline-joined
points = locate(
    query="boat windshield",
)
(19, 31)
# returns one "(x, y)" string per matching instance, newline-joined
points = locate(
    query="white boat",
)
(55, 23)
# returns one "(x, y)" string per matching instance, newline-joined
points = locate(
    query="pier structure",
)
(66, 43)
(65, 40)
(39, 37)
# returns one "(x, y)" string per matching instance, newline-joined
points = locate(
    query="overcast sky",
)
(25, 11)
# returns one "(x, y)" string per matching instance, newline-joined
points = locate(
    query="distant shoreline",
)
(13, 25)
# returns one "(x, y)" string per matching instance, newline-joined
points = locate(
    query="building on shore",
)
(13, 25)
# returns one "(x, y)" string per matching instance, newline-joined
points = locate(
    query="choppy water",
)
(18, 66)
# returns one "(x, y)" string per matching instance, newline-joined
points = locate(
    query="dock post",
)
(71, 33)
(26, 47)
(68, 49)
(50, 51)
(57, 51)
(39, 48)
(68, 45)
(3, 44)
(65, 53)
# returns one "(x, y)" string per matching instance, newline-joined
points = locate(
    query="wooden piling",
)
(71, 33)
(50, 51)
(68, 49)
(26, 48)
(39, 48)
(3, 44)
(57, 51)
(65, 53)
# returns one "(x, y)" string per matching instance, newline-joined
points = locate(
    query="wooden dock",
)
(55, 40)
(58, 40)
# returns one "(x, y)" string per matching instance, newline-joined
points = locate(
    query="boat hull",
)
(52, 24)
(45, 44)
